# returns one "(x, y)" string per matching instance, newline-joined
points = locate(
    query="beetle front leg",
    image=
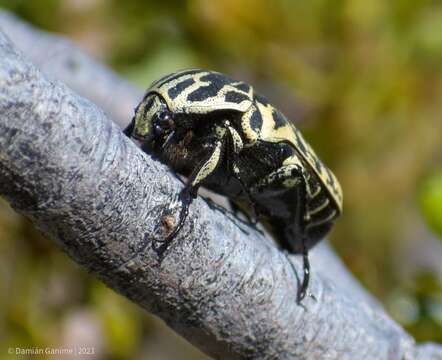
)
(190, 192)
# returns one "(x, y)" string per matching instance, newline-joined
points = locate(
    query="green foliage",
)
(418, 307)
(118, 319)
(36, 11)
(431, 201)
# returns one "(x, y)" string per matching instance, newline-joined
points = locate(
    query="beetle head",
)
(153, 122)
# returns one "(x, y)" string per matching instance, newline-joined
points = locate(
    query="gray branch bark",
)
(59, 59)
(222, 285)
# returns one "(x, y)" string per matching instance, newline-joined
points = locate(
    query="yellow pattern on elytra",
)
(251, 136)
(288, 132)
(165, 79)
(268, 131)
(181, 105)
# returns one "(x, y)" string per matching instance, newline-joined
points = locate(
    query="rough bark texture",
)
(222, 285)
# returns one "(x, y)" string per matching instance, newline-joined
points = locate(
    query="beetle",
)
(220, 133)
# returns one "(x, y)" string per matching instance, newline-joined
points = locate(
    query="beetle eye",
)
(163, 123)
(164, 116)
(165, 120)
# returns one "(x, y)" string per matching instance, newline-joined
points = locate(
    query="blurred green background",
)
(362, 80)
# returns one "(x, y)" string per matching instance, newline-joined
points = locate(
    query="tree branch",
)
(59, 59)
(37, 44)
(222, 285)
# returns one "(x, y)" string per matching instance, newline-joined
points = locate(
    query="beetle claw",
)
(160, 250)
(306, 279)
(185, 198)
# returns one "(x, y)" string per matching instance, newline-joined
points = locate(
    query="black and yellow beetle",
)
(220, 134)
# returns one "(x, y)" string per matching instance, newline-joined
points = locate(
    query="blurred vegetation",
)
(362, 79)
(431, 201)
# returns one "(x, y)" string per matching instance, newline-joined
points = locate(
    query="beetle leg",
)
(286, 177)
(202, 172)
(300, 220)
(190, 192)
(235, 139)
(254, 217)
(302, 188)
(236, 144)
(290, 176)
(306, 268)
